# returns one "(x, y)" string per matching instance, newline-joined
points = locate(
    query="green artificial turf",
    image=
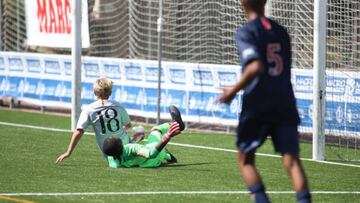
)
(27, 166)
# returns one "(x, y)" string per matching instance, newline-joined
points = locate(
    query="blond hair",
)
(102, 88)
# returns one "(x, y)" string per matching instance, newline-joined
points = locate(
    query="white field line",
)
(169, 193)
(179, 144)
(261, 154)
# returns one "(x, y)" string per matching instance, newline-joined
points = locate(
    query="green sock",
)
(163, 128)
(157, 132)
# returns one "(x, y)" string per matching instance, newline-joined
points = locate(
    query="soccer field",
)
(207, 170)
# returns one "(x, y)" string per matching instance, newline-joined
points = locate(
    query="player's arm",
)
(252, 70)
(250, 59)
(82, 124)
(127, 126)
(74, 140)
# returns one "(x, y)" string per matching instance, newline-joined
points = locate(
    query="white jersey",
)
(107, 120)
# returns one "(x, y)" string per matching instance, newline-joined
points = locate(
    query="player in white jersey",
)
(107, 117)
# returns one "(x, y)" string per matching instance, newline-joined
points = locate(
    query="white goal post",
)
(76, 63)
(319, 92)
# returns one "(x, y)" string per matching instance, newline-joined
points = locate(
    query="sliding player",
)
(149, 154)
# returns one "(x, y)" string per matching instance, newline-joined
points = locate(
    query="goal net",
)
(342, 69)
(194, 31)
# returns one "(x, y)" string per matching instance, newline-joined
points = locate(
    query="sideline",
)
(168, 193)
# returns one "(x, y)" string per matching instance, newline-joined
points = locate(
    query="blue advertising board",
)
(15, 86)
(112, 71)
(202, 77)
(66, 93)
(150, 100)
(87, 93)
(91, 69)
(226, 78)
(52, 66)
(352, 117)
(132, 97)
(151, 74)
(191, 87)
(201, 103)
(52, 90)
(356, 89)
(31, 89)
(2, 63)
(33, 65)
(67, 67)
(177, 76)
(304, 107)
(177, 98)
(133, 73)
(3, 82)
(15, 64)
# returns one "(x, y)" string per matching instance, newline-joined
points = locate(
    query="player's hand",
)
(62, 157)
(139, 134)
(174, 129)
(226, 96)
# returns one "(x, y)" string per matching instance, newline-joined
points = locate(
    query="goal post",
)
(76, 63)
(160, 22)
(319, 92)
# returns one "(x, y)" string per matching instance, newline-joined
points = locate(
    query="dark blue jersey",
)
(270, 94)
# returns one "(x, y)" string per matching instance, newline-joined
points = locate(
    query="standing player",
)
(107, 117)
(269, 106)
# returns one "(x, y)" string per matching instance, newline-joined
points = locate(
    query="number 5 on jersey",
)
(107, 118)
(274, 57)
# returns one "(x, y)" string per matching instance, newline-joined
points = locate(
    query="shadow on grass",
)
(162, 166)
(184, 165)
(75, 165)
(190, 164)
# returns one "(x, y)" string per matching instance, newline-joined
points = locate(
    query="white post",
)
(319, 94)
(76, 62)
(160, 22)
(268, 8)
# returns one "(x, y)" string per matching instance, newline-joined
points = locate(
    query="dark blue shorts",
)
(252, 132)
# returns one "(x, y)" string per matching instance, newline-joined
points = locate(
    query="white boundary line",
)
(178, 144)
(168, 193)
(260, 154)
